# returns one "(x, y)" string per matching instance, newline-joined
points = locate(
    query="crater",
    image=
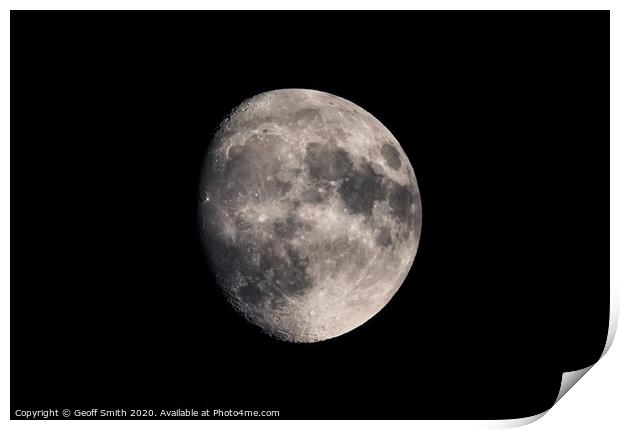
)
(391, 155)
(251, 294)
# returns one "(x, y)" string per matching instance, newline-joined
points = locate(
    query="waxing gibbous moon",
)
(310, 213)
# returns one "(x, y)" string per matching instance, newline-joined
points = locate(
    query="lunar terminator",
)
(310, 213)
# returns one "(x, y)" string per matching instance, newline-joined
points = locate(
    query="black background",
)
(504, 116)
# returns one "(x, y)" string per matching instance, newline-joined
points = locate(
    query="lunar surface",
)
(310, 213)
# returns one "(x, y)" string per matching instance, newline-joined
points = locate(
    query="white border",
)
(593, 404)
(309, 4)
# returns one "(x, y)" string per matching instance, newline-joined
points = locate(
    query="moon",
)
(310, 213)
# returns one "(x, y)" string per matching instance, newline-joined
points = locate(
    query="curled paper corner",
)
(569, 379)
(518, 422)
